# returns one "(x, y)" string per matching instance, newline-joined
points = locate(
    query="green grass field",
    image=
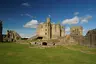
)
(11, 53)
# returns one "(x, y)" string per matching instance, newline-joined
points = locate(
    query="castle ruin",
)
(76, 31)
(90, 38)
(11, 36)
(48, 30)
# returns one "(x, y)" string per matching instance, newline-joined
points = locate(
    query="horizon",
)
(23, 16)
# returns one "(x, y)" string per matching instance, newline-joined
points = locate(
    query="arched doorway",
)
(39, 37)
(44, 43)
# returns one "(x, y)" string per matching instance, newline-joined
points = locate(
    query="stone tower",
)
(1, 37)
(58, 30)
(62, 31)
(53, 31)
(47, 30)
(76, 31)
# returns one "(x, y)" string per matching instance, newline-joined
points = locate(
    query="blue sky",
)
(24, 15)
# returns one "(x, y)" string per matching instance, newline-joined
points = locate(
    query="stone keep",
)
(48, 30)
(76, 31)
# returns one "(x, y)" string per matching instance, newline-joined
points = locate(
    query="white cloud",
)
(84, 30)
(76, 13)
(85, 19)
(26, 4)
(49, 15)
(67, 29)
(26, 35)
(31, 24)
(41, 22)
(29, 15)
(77, 19)
(53, 23)
(74, 20)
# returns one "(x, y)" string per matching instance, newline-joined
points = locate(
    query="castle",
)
(54, 34)
(10, 36)
(48, 30)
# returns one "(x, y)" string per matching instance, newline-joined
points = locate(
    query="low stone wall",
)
(43, 43)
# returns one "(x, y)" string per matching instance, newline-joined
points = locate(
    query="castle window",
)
(44, 43)
(45, 29)
(76, 34)
(45, 33)
(41, 26)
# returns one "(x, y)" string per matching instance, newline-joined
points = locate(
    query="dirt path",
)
(83, 51)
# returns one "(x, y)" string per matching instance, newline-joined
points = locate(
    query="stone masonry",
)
(48, 30)
(11, 36)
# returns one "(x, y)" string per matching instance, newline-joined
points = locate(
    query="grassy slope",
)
(11, 53)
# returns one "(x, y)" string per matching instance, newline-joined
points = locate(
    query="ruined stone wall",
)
(38, 30)
(90, 38)
(41, 30)
(1, 36)
(45, 31)
(62, 31)
(53, 31)
(76, 30)
(49, 31)
(12, 36)
(58, 30)
(67, 40)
